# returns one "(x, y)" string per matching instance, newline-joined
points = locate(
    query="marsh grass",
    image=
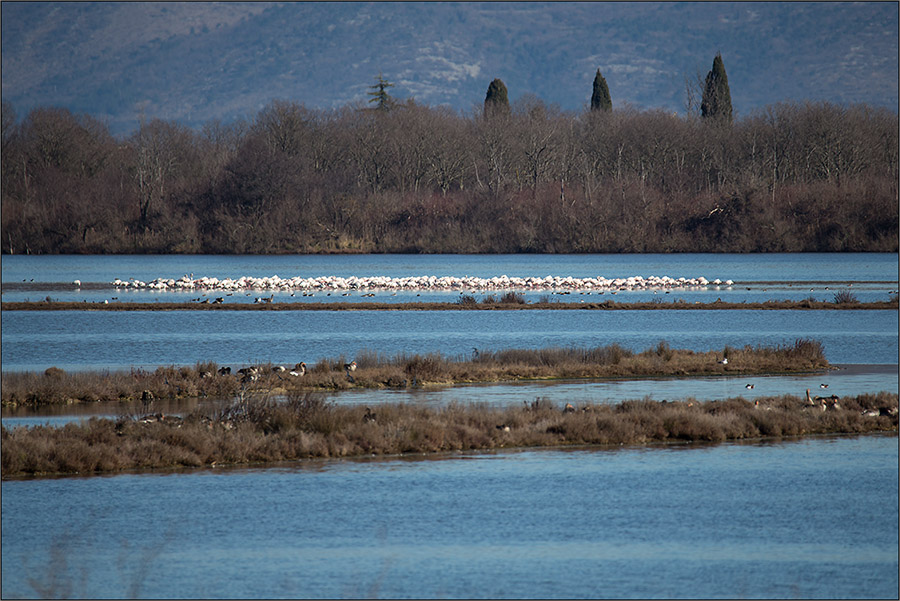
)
(56, 386)
(378, 370)
(845, 297)
(306, 425)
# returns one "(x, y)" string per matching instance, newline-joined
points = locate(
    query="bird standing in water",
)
(350, 367)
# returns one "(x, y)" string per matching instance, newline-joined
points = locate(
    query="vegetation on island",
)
(486, 304)
(279, 414)
(260, 430)
(376, 370)
(516, 177)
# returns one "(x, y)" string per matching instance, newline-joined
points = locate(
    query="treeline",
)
(414, 178)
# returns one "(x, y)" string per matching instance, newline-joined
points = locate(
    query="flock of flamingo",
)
(418, 283)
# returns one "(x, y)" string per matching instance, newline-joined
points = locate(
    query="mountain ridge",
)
(195, 62)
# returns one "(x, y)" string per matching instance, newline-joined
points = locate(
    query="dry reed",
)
(259, 430)
(376, 370)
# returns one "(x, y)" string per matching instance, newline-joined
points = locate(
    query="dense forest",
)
(403, 177)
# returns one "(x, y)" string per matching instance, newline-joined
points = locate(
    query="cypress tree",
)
(380, 95)
(716, 103)
(496, 101)
(600, 99)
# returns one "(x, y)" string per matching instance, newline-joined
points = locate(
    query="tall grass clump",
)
(845, 297)
(513, 298)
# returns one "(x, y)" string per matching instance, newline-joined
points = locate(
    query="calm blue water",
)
(815, 518)
(756, 277)
(81, 340)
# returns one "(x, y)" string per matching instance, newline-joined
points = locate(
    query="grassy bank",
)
(307, 426)
(495, 305)
(375, 370)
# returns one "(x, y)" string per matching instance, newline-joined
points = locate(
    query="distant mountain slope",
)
(197, 61)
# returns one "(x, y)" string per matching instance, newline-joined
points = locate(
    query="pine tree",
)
(496, 102)
(380, 95)
(716, 104)
(600, 99)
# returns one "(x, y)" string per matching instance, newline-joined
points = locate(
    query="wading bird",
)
(299, 370)
(146, 400)
(817, 403)
(350, 367)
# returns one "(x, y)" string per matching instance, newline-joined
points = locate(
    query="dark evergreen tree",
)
(497, 100)
(600, 99)
(716, 103)
(380, 95)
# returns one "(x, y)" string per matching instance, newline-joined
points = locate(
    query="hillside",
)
(193, 62)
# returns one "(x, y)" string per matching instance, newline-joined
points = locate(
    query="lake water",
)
(81, 340)
(870, 276)
(814, 518)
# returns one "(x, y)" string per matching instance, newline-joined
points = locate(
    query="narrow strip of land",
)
(307, 426)
(608, 305)
(373, 370)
